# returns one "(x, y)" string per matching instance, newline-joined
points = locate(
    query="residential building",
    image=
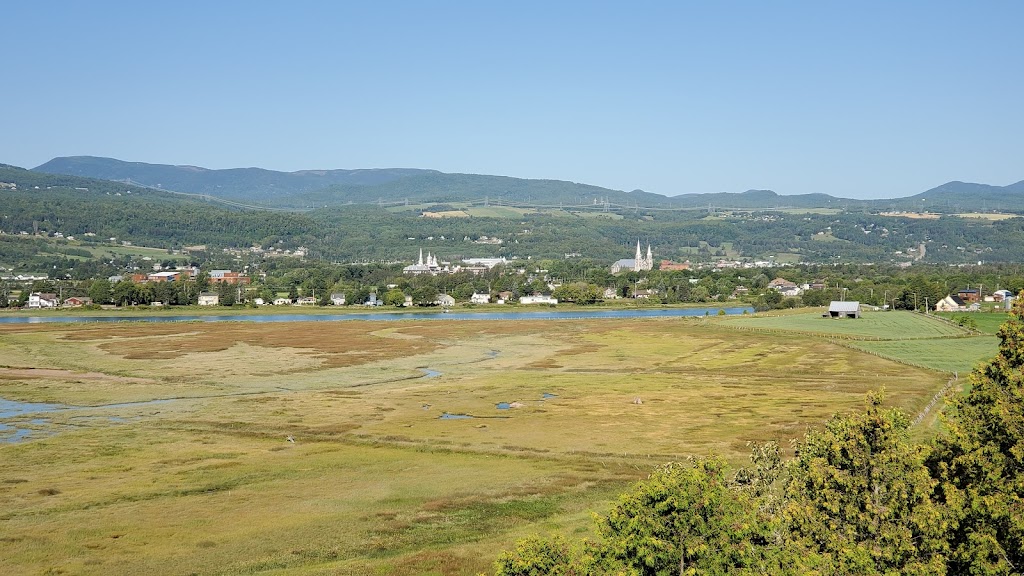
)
(42, 300)
(209, 299)
(480, 298)
(951, 303)
(77, 301)
(969, 294)
(537, 299)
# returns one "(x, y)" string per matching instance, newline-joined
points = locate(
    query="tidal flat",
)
(320, 447)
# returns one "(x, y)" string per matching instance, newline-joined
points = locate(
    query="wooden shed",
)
(843, 309)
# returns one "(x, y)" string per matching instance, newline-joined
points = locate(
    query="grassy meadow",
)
(928, 341)
(205, 479)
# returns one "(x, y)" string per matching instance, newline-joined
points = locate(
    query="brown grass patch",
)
(337, 344)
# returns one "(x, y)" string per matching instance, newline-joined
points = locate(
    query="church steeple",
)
(420, 263)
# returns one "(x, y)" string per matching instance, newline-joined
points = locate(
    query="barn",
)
(842, 309)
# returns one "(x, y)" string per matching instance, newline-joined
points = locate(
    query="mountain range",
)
(307, 189)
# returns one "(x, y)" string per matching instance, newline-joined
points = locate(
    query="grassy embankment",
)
(375, 482)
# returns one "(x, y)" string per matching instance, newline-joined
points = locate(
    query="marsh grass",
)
(373, 481)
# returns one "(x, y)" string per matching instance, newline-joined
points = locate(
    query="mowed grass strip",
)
(959, 355)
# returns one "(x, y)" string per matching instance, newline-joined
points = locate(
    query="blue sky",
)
(863, 100)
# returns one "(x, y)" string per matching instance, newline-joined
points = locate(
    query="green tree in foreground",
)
(858, 499)
(980, 461)
(687, 519)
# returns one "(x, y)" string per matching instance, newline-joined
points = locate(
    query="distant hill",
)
(764, 199)
(959, 196)
(441, 187)
(240, 184)
(319, 188)
(328, 188)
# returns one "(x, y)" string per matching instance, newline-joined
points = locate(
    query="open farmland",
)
(198, 475)
(914, 339)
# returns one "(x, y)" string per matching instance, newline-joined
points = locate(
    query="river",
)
(517, 315)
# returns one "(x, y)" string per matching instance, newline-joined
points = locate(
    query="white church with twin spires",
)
(637, 264)
(428, 266)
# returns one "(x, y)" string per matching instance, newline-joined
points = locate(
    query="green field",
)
(917, 339)
(987, 322)
(375, 481)
(872, 325)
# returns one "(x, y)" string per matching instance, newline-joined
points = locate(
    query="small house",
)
(209, 298)
(951, 303)
(969, 294)
(338, 299)
(480, 298)
(445, 300)
(77, 301)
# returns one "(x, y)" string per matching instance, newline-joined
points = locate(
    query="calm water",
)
(13, 427)
(519, 315)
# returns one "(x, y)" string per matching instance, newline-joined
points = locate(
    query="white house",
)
(282, 301)
(338, 299)
(42, 300)
(951, 303)
(480, 298)
(444, 300)
(537, 299)
(209, 299)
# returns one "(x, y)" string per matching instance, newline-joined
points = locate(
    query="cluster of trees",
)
(859, 497)
(580, 281)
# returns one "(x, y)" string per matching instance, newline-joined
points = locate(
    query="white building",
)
(209, 299)
(428, 266)
(42, 300)
(480, 298)
(537, 299)
(488, 262)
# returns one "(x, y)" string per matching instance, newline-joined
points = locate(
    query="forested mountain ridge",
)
(73, 206)
(241, 184)
(319, 188)
(306, 189)
(965, 196)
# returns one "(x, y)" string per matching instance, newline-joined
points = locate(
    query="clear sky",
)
(854, 99)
